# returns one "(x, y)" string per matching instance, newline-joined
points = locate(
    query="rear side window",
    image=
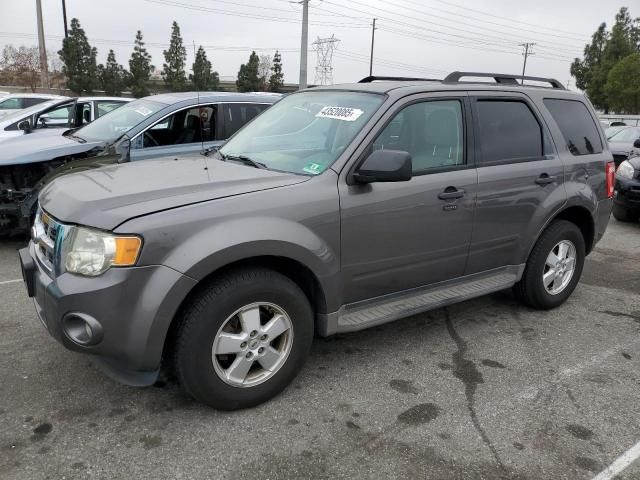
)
(236, 115)
(508, 130)
(576, 124)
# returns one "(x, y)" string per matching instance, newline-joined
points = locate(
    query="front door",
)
(397, 236)
(520, 180)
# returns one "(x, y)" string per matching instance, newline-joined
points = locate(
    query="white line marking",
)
(622, 462)
(6, 282)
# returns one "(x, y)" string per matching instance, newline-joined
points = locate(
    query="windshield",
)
(626, 135)
(116, 123)
(304, 132)
(27, 112)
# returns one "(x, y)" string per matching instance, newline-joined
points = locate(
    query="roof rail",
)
(506, 79)
(373, 78)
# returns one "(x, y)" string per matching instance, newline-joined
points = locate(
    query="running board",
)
(369, 313)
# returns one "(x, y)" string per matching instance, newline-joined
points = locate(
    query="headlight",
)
(92, 252)
(625, 170)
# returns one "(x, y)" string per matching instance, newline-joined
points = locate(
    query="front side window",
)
(576, 124)
(11, 104)
(432, 132)
(30, 101)
(191, 125)
(508, 130)
(305, 132)
(113, 125)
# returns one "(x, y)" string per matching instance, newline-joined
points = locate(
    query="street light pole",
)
(64, 17)
(373, 36)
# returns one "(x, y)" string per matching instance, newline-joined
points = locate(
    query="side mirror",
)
(385, 166)
(124, 148)
(636, 144)
(25, 125)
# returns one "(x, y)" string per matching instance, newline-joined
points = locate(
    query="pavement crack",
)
(467, 372)
(635, 316)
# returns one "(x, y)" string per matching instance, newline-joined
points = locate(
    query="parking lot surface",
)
(481, 390)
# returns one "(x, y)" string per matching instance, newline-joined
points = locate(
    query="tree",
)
(248, 79)
(276, 80)
(623, 85)
(173, 70)
(604, 52)
(112, 76)
(140, 68)
(203, 78)
(22, 64)
(264, 70)
(79, 59)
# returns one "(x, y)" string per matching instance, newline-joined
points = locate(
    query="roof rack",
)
(501, 78)
(373, 78)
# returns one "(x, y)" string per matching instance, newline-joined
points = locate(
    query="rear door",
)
(398, 236)
(520, 179)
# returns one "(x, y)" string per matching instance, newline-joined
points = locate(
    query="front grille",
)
(45, 234)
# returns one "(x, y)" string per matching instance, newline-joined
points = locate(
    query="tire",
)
(623, 214)
(531, 289)
(212, 313)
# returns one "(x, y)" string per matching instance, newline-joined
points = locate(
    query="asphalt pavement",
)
(481, 390)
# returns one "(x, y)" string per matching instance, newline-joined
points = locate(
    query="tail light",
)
(610, 171)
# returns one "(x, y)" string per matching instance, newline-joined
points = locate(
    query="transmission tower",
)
(324, 48)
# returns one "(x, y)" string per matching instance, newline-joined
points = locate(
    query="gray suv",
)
(338, 209)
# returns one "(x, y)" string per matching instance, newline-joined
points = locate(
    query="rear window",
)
(508, 131)
(237, 114)
(576, 124)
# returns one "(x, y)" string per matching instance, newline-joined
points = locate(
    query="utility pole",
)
(44, 76)
(373, 37)
(528, 46)
(304, 40)
(64, 17)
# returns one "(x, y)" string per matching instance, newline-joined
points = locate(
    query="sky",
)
(419, 38)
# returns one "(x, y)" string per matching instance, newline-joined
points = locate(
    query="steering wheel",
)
(148, 136)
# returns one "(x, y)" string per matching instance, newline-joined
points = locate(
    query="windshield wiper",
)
(76, 137)
(244, 159)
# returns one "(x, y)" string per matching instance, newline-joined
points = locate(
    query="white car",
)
(19, 101)
(57, 115)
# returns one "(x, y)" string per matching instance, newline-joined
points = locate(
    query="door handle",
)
(546, 179)
(450, 193)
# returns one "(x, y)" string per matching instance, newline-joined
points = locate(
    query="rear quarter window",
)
(576, 124)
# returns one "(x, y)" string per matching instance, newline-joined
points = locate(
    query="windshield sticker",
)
(313, 168)
(347, 114)
(144, 111)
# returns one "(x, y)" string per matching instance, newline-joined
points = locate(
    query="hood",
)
(106, 197)
(31, 148)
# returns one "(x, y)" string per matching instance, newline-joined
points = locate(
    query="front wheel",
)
(243, 339)
(553, 268)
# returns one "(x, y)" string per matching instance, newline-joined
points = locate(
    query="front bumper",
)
(627, 193)
(133, 306)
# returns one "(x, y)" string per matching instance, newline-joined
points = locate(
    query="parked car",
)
(340, 208)
(626, 198)
(168, 124)
(611, 131)
(18, 101)
(621, 144)
(61, 113)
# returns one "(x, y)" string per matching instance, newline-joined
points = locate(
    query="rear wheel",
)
(623, 214)
(553, 268)
(243, 339)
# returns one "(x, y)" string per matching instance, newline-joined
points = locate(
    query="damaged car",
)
(150, 127)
